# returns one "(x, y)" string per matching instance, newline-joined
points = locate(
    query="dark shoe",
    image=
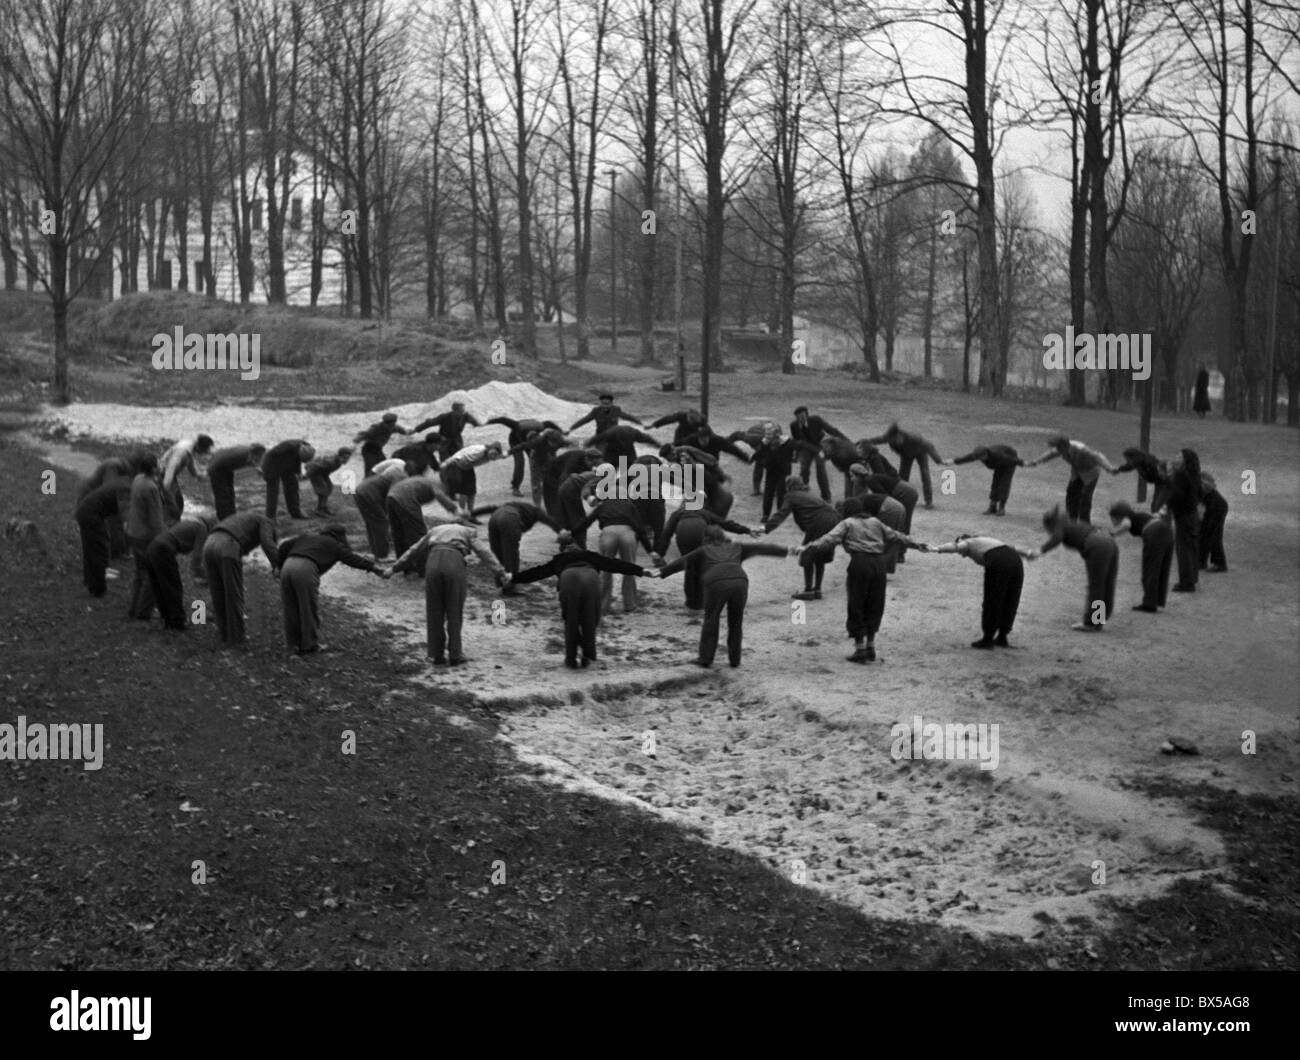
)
(1184, 588)
(1002, 509)
(701, 662)
(982, 644)
(515, 491)
(588, 660)
(1001, 642)
(457, 661)
(1217, 569)
(859, 656)
(807, 594)
(1150, 609)
(992, 509)
(817, 594)
(437, 660)
(572, 664)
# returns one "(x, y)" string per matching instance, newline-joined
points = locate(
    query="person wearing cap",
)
(867, 541)
(451, 426)
(911, 449)
(282, 466)
(621, 527)
(418, 456)
(813, 429)
(753, 437)
(580, 593)
(180, 457)
(573, 491)
(184, 537)
(221, 474)
(375, 437)
(443, 551)
(302, 562)
(1157, 551)
(686, 527)
(605, 415)
(457, 471)
(1004, 577)
(1085, 469)
(717, 567)
(405, 503)
(1002, 460)
(507, 524)
(223, 560)
(1101, 560)
(521, 433)
(318, 472)
(686, 421)
(108, 501)
(888, 511)
(620, 443)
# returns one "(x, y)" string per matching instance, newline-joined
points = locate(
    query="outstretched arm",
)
(585, 419)
(629, 416)
(504, 421)
(1051, 454)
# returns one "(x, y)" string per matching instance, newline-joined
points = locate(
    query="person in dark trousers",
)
(891, 513)
(867, 541)
(318, 472)
(507, 524)
(620, 442)
(282, 466)
(867, 481)
(458, 474)
(144, 522)
(1004, 578)
(121, 468)
(1201, 402)
(109, 501)
(1157, 551)
(542, 450)
(844, 455)
(451, 425)
(558, 471)
(717, 498)
(1213, 519)
(446, 583)
(778, 455)
(652, 508)
(714, 444)
(813, 429)
(716, 567)
(1151, 470)
(180, 457)
(1086, 466)
(572, 510)
(753, 437)
(303, 560)
(686, 528)
(605, 415)
(1183, 500)
(371, 499)
(405, 507)
(419, 456)
(522, 432)
(223, 559)
(1100, 558)
(685, 422)
(1002, 460)
(221, 474)
(911, 448)
(373, 439)
(621, 527)
(183, 538)
(579, 586)
(815, 517)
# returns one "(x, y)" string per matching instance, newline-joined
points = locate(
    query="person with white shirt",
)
(1004, 577)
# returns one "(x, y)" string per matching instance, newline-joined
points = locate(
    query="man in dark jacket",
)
(221, 474)
(521, 433)
(302, 562)
(451, 425)
(108, 501)
(1002, 460)
(814, 517)
(282, 466)
(605, 415)
(812, 429)
(507, 524)
(223, 559)
(185, 537)
(911, 448)
(375, 437)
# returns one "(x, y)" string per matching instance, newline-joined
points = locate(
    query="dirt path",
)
(789, 757)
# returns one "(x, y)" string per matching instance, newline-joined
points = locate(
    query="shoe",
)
(1150, 609)
(1217, 569)
(1002, 509)
(1184, 588)
(588, 660)
(702, 663)
(859, 656)
(929, 504)
(991, 510)
(1084, 627)
(515, 491)
(572, 664)
(807, 594)
(817, 594)
(982, 644)
(437, 660)
(1001, 642)
(458, 661)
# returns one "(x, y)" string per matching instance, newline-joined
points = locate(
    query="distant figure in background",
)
(1157, 551)
(1100, 558)
(282, 466)
(1085, 469)
(911, 448)
(318, 472)
(180, 457)
(375, 437)
(1002, 460)
(108, 501)
(1201, 401)
(1004, 577)
(451, 425)
(1212, 524)
(221, 474)
(605, 415)
(185, 537)
(302, 562)
(223, 559)
(144, 522)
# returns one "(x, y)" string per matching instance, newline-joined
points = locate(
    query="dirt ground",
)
(788, 758)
